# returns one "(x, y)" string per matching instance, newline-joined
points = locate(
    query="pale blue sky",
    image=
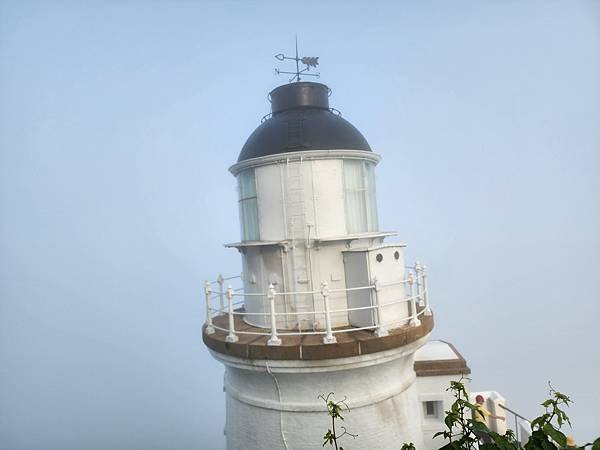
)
(118, 122)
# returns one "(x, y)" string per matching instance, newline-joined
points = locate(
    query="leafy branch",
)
(464, 433)
(544, 430)
(334, 410)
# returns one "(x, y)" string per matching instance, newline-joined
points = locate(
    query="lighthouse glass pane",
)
(361, 202)
(373, 223)
(248, 205)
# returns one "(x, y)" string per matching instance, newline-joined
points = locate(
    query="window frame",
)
(368, 196)
(437, 408)
(248, 200)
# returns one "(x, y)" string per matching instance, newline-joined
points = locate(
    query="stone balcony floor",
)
(310, 346)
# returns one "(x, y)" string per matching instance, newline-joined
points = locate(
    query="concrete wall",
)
(434, 389)
(265, 408)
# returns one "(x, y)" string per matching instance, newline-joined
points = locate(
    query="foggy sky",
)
(118, 121)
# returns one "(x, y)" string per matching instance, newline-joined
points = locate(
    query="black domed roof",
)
(302, 120)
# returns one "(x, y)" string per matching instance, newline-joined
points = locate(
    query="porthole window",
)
(396, 255)
(379, 257)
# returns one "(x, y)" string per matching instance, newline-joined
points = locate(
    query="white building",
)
(323, 304)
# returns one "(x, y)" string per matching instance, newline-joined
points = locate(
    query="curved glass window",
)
(360, 195)
(248, 205)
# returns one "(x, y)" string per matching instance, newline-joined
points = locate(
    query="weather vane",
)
(308, 61)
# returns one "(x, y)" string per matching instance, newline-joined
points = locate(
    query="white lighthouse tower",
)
(323, 303)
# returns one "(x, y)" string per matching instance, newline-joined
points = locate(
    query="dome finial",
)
(308, 61)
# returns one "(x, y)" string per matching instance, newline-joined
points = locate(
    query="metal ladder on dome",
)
(297, 229)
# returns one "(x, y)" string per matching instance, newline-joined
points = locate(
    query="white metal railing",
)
(522, 425)
(415, 285)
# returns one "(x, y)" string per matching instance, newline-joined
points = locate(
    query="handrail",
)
(517, 415)
(316, 312)
(513, 412)
(415, 293)
(313, 332)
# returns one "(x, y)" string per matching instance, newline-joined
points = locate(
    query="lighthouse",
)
(324, 303)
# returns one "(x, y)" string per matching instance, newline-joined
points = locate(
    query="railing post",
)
(221, 281)
(419, 285)
(381, 330)
(329, 338)
(231, 337)
(274, 339)
(209, 325)
(414, 319)
(426, 292)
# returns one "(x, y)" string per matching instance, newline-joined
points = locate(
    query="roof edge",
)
(304, 155)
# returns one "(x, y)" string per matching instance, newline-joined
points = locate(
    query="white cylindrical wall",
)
(271, 264)
(302, 208)
(305, 190)
(306, 193)
(265, 408)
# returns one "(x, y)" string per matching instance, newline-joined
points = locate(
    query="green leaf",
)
(470, 405)
(536, 440)
(487, 447)
(562, 398)
(504, 442)
(596, 444)
(479, 426)
(560, 416)
(448, 446)
(451, 419)
(328, 438)
(555, 435)
(539, 441)
(540, 421)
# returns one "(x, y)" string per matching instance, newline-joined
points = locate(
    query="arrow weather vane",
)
(308, 61)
